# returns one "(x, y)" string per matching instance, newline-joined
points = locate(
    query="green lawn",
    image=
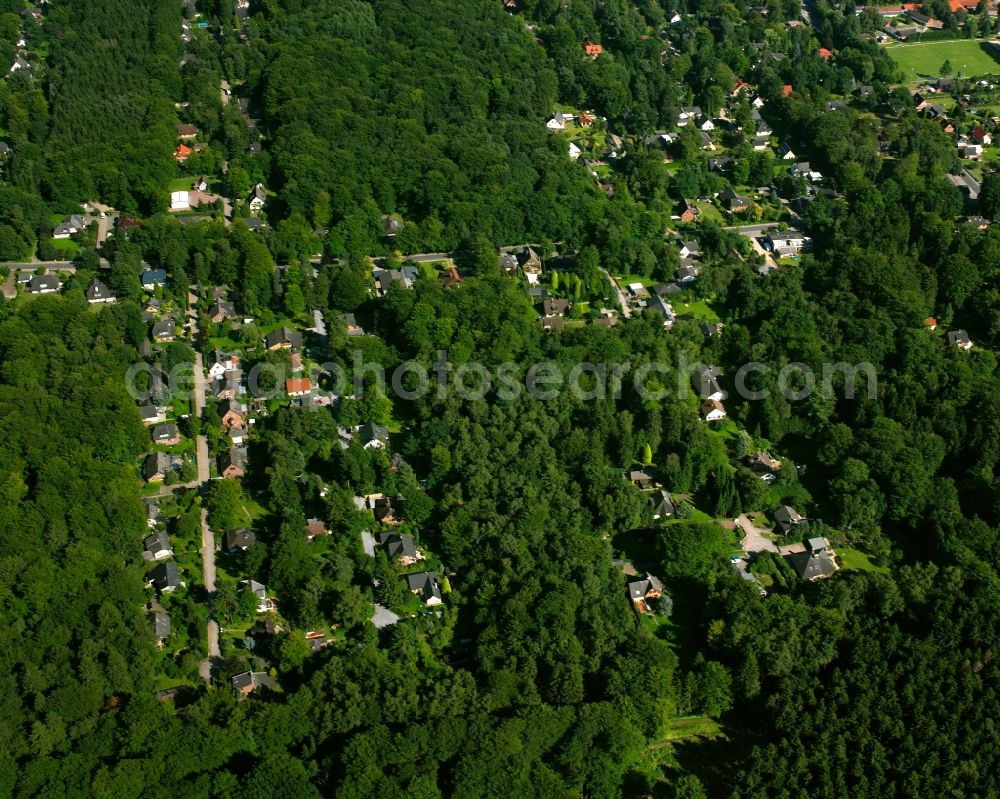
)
(699, 309)
(182, 184)
(66, 247)
(692, 726)
(856, 559)
(918, 60)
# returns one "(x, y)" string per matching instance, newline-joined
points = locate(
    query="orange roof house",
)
(298, 386)
(825, 54)
(786, 90)
(182, 153)
(592, 49)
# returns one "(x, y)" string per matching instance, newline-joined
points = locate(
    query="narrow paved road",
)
(755, 538)
(622, 299)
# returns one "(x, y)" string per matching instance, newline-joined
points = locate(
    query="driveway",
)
(755, 539)
(622, 299)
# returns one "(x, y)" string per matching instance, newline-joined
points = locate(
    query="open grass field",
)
(920, 60)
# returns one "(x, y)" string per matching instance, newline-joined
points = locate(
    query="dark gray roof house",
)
(156, 546)
(663, 506)
(164, 577)
(960, 339)
(812, 565)
(240, 539)
(43, 284)
(424, 585)
(163, 330)
(156, 467)
(152, 278)
(98, 292)
(650, 588)
(706, 383)
(398, 545)
(787, 518)
(642, 478)
(283, 337)
(249, 681)
(161, 625)
(373, 435)
(165, 433)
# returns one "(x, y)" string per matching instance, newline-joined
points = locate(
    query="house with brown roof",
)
(298, 386)
(233, 414)
(233, 462)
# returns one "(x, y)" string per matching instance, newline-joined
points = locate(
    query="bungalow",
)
(399, 547)
(550, 323)
(661, 139)
(233, 462)
(166, 434)
(74, 223)
(980, 136)
(687, 274)
(558, 122)
(815, 562)
(785, 152)
(379, 504)
(959, 339)
(182, 152)
(240, 540)
(787, 88)
(201, 184)
(761, 143)
(706, 384)
(706, 141)
(152, 414)
(574, 151)
(592, 49)
(384, 278)
(282, 339)
(238, 436)
(246, 683)
(686, 212)
(233, 414)
(186, 132)
(705, 123)
(373, 436)
(264, 603)
(156, 467)
(163, 330)
(687, 114)
(349, 320)
(257, 198)
(44, 284)
(151, 278)
(640, 591)
(712, 411)
(825, 54)
(156, 546)
(763, 462)
(164, 577)
(152, 511)
(298, 387)
(449, 277)
(424, 585)
(788, 519)
(98, 292)
(690, 249)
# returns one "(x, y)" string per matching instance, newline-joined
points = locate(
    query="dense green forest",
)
(535, 676)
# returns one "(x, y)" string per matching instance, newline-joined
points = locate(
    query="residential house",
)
(249, 681)
(298, 387)
(449, 277)
(163, 330)
(530, 263)
(688, 114)
(373, 436)
(558, 122)
(967, 185)
(762, 462)
(733, 201)
(642, 591)
(574, 151)
(264, 603)
(550, 323)
(44, 284)
(187, 132)
(424, 585)
(282, 339)
(180, 201)
(222, 362)
(642, 479)
(980, 136)
(156, 546)
(555, 307)
(788, 519)
(164, 577)
(712, 411)
(399, 547)
(380, 506)
(182, 153)
(240, 540)
(592, 49)
(661, 139)
(663, 506)
(233, 414)
(802, 169)
(74, 223)
(315, 527)
(785, 152)
(98, 292)
(257, 198)
(959, 339)
(152, 414)
(233, 462)
(787, 242)
(706, 384)
(687, 274)
(152, 511)
(761, 143)
(815, 562)
(156, 467)
(227, 386)
(238, 436)
(166, 434)
(161, 626)
(151, 278)
(221, 310)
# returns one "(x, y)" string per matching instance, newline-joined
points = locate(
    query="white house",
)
(257, 197)
(712, 411)
(574, 151)
(179, 201)
(556, 123)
